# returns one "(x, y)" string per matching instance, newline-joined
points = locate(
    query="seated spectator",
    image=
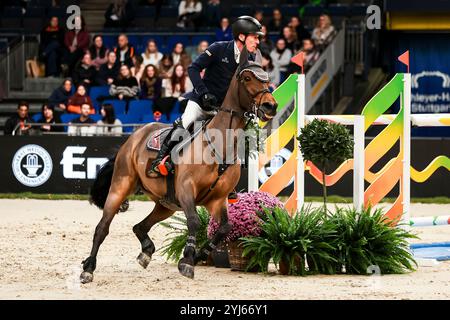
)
(189, 13)
(311, 54)
(173, 89)
(179, 55)
(60, 96)
(265, 44)
(277, 22)
(300, 29)
(290, 36)
(86, 130)
(78, 99)
(151, 54)
(51, 45)
(271, 69)
(323, 30)
(138, 69)
(224, 32)
(213, 13)
(119, 14)
(108, 71)
(151, 83)
(99, 53)
(259, 15)
(49, 117)
(125, 86)
(124, 51)
(165, 67)
(76, 42)
(281, 57)
(84, 72)
(202, 46)
(109, 117)
(19, 121)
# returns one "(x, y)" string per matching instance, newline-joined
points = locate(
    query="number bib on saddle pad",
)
(157, 138)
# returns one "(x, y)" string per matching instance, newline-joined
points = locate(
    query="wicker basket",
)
(237, 261)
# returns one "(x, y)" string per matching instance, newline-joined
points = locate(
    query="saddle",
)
(156, 138)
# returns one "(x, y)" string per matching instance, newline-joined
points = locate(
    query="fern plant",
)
(174, 245)
(289, 239)
(364, 238)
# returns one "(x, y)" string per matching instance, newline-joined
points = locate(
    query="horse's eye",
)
(247, 79)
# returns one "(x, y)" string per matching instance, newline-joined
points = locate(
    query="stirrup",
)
(233, 197)
(162, 166)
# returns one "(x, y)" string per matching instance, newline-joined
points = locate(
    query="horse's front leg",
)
(216, 209)
(187, 202)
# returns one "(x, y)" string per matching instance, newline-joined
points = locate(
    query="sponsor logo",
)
(71, 159)
(32, 165)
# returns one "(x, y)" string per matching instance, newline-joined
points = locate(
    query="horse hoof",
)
(186, 270)
(86, 277)
(143, 259)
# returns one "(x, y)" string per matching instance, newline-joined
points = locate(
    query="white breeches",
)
(194, 113)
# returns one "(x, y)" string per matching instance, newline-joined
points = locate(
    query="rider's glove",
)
(209, 102)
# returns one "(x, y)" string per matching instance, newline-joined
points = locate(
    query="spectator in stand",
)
(271, 69)
(259, 15)
(99, 53)
(151, 83)
(86, 130)
(310, 56)
(213, 13)
(19, 120)
(290, 36)
(202, 46)
(76, 42)
(138, 68)
(125, 86)
(108, 71)
(189, 14)
(119, 14)
(265, 44)
(166, 66)
(84, 72)
(124, 51)
(323, 31)
(173, 89)
(49, 117)
(224, 33)
(60, 96)
(300, 29)
(151, 54)
(179, 55)
(109, 117)
(277, 22)
(281, 57)
(52, 41)
(78, 99)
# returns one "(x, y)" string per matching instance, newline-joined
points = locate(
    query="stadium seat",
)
(96, 92)
(57, 12)
(11, 17)
(34, 18)
(310, 10)
(96, 117)
(127, 119)
(338, 10)
(241, 10)
(37, 117)
(68, 117)
(197, 39)
(358, 9)
(119, 105)
(148, 118)
(139, 108)
(145, 17)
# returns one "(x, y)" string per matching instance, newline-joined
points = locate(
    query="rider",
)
(220, 60)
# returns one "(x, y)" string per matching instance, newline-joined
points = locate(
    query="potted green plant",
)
(288, 240)
(365, 238)
(323, 143)
(174, 245)
(243, 216)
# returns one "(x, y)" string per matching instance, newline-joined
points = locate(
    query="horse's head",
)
(253, 87)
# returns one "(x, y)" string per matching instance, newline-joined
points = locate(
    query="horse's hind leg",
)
(120, 188)
(159, 213)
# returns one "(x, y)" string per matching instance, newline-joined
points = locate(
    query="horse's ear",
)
(243, 58)
(258, 57)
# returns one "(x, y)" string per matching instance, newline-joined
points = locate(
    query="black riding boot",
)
(165, 149)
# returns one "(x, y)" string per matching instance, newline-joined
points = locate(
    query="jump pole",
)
(301, 107)
(406, 175)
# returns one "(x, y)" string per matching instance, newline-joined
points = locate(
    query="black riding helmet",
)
(246, 25)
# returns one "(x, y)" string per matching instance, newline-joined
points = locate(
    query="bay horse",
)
(195, 184)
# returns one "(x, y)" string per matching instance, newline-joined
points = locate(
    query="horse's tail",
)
(100, 187)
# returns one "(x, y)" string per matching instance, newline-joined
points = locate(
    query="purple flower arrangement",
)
(243, 217)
